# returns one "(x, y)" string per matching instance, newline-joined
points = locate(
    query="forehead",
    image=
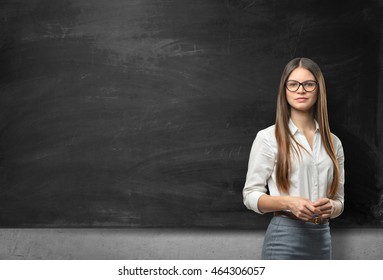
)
(301, 74)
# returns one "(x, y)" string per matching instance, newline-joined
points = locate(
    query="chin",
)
(305, 109)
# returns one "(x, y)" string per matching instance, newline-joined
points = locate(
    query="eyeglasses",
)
(308, 86)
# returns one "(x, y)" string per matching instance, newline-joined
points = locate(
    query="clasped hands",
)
(305, 209)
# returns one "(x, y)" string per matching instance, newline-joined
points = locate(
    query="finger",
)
(304, 216)
(325, 207)
(302, 212)
(326, 215)
(307, 212)
(327, 210)
(321, 201)
(312, 209)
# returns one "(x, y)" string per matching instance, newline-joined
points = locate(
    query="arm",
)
(260, 168)
(338, 200)
(332, 208)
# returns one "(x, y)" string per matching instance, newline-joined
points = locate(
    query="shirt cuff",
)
(251, 201)
(338, 208)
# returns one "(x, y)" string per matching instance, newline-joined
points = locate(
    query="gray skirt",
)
(289, 239)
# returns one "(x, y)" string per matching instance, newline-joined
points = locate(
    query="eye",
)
(310, 84)
(292, 84)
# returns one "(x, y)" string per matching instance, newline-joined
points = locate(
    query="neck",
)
(303, 120)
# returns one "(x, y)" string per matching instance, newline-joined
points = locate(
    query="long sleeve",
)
(260, 167)
(338, 200)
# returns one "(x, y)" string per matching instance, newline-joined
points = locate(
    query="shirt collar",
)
(294, 129)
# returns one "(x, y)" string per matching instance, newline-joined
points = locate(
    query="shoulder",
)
(265, 143)
(336, 141)
(267, 133)
(337, 145)
(266, 136)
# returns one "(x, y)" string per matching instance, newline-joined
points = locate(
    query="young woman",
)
(296, 169)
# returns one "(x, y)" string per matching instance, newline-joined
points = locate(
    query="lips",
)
(301, 99)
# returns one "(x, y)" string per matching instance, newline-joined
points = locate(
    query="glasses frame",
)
(302, 84)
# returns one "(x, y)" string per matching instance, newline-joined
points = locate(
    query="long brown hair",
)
(282, 132)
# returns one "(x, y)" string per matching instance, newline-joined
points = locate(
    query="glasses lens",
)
(292, 85)
(309, 85)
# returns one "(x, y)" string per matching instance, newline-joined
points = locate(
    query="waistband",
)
(315, 220)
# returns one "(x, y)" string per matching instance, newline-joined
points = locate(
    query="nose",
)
(301, 89)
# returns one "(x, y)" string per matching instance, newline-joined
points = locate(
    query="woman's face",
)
(301, 99)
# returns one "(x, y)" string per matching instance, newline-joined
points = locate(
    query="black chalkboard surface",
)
(142, 113)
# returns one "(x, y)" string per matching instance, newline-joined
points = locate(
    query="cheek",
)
(289, 97)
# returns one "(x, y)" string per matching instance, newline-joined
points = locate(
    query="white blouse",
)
(310, 175)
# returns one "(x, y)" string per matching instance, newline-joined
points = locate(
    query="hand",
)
(325, 207)
(303, 208)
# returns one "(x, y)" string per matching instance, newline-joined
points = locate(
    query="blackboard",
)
(142, 113)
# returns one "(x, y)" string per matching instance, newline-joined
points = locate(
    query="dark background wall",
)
(142, 113)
